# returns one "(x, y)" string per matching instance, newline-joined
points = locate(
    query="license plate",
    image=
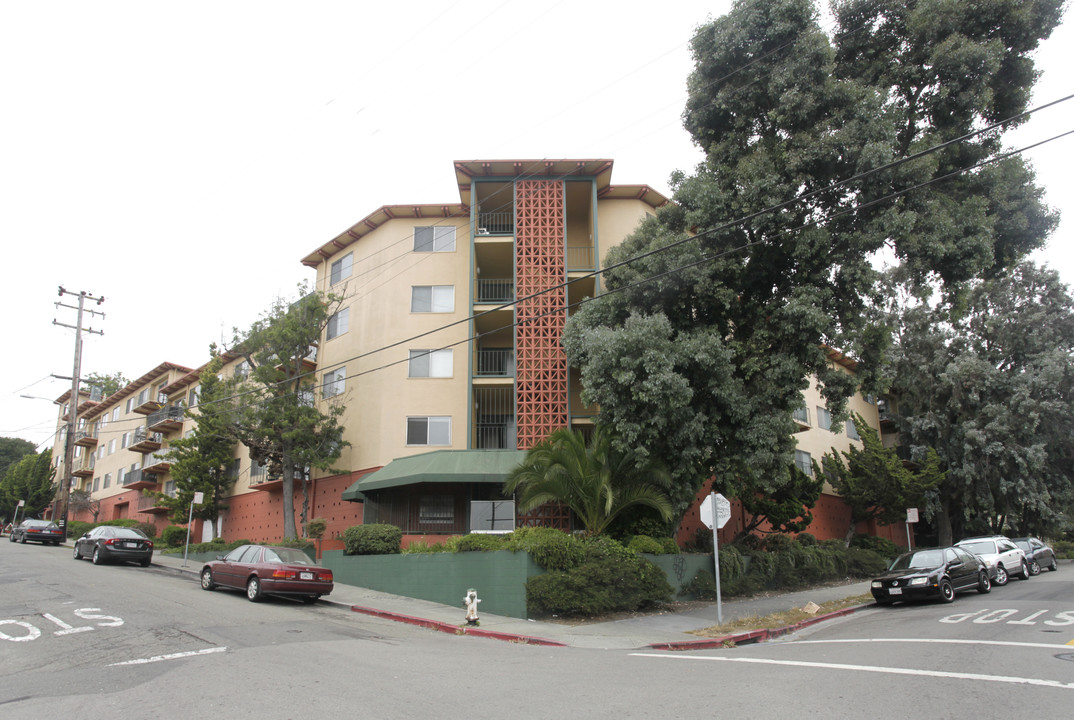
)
(130, 545)
(894, 591)
(305, 576)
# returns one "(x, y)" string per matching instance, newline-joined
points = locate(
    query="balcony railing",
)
(495, 223)
(498, 290)
(171, 416)
(497, 435)
(86, 437)
(580, 258)
(495, 362)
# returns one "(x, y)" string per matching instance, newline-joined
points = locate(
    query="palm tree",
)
(597, 482)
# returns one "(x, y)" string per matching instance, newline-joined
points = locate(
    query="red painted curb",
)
(455, 629)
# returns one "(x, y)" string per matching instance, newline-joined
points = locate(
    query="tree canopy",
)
(13, 450)
(29, 479)
(990, 386)
(716, 312)
(276, 415)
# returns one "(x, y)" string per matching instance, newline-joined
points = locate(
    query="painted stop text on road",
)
(1013, 617)
(21, 631)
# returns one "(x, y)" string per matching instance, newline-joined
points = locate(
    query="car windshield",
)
(1024, 544)
(128, 533)
(287, 555)
(921, 559)
(981, 547)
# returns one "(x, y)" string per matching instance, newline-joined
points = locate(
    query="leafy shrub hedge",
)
(174, 536)
(78, 528)
(1064, 549)
(551, 549)
(881, 546)
(372, 539)
(480, 542)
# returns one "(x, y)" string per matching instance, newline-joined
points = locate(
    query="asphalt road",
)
(78, 640)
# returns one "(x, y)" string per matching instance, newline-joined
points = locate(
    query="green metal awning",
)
(440, 466)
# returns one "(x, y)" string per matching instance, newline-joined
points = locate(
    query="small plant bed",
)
(781, 619)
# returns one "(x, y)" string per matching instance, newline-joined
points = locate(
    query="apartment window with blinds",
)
(334, 382)
(339, 323)
(430, 363)
(341, 269)
(436, 510)
(804, 462)
(434, 239)
(432, 298)
(824, 418)
(433, 430)
(852, 430)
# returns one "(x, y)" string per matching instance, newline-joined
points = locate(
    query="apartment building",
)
(445, 351)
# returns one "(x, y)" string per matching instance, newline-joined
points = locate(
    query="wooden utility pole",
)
(64, 491)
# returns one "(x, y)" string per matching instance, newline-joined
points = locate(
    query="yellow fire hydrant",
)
(471, 602)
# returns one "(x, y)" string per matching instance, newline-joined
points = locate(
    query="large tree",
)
(12, 450)
(108, 384)
(204, 460)
(277, 416)
(990, 386)
(594, 479)
(717, 311)
(875, 483)
(29, 479)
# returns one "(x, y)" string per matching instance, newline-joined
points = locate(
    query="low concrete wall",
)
(499, 577)
(681, 569)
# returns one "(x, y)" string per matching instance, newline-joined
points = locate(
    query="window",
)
(430, 363)
(492, 515)
(242, 370)
(338, 323)
(804, 462)
(334, 382)
(111, 446)
(107, 479)
(126, 439)
(194, 397)
(432, 298)
(436, 510)
(115, 414)
(130, 404)
(119, 476)
(435, 430)
(100, 452)
(852, 430)
(824, 418)
(434, 239)
(802, 415)
(341, 269)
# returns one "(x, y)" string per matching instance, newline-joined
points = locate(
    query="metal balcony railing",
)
(498, 290)
(495, 435)
(495, 223)
(580, 258)
(495, 362)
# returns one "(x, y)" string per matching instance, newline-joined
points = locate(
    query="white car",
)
(1002, 556)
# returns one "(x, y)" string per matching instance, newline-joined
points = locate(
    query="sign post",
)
(911, 517)
(197, 499)
(715, 512)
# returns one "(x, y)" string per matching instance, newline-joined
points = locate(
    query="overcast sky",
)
(179, 159)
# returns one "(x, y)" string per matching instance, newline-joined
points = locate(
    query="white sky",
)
(180, 159)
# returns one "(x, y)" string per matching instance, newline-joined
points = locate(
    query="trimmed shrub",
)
(174, 536)
(669, 545)
(807, 539)
(302, 544)
(78, 528)
(881, 546)
(480, 542)
(777, 542)
(372, 539)
(1064, 549)
(645, 544)
(702, 586)
(604, 583)
(551, 549)
(316, 528)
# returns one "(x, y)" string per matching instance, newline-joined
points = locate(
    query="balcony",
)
(147, 404)
(145, 441)
(139, 480)
(156, 464)
(264, 481)
(495, 290)
(580, 258)
(83, 472)
(166, 419)
(150, 504)
(86, 438)
(495, 362)
(495, 223)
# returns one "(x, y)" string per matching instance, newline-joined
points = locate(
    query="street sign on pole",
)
(911, 517)
(715, 512)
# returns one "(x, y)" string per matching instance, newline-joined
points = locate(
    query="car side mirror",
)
(219, 557)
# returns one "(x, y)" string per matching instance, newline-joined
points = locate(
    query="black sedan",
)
(932, 573)
(1038, 554)
(42, 531)
(108, 542)
(268, 570)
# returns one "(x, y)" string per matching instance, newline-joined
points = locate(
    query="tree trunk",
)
(287, 467)
(850, 531)
(943, 525)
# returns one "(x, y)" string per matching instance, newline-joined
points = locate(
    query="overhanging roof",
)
(439, 466)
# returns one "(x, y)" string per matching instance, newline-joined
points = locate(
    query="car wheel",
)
(78, 555)
(22, 540)
(310, 599)
(983, 584)
(207, 580)
(885, 603)
(947, 592)
(1024, 575)
(1001, 578)
(144, 563)
(253, 589)
(1054, 566)
(97, 558)
(1034, 568)
(11, 537)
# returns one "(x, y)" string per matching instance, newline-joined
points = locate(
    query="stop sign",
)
(715, 510)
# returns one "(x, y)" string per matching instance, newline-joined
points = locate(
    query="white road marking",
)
(872, 668)
(173, 656)
(938, 641)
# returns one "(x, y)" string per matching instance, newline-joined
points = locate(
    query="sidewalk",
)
(667, 631)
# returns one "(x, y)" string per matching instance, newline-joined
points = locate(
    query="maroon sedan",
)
(268, 570)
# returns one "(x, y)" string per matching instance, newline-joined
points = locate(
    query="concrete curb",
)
(751, 637)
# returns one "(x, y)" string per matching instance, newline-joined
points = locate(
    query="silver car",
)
(1002, 557)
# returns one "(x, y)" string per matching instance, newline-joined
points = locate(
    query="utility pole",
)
(64, 491)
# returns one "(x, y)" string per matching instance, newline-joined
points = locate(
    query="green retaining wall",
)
(499, 577)
(681, 569)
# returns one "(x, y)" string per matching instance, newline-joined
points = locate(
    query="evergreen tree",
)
(30, 479)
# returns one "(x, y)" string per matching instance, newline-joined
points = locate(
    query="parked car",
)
(930, 574)
(268, 570)
(1002, 556)
(107, 542)
(42, 531)
(1038, 555)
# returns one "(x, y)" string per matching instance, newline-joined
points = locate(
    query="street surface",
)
(78, 640)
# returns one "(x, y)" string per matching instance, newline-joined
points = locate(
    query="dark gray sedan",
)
(108, 542)
(1038, 555)
(42, 531)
